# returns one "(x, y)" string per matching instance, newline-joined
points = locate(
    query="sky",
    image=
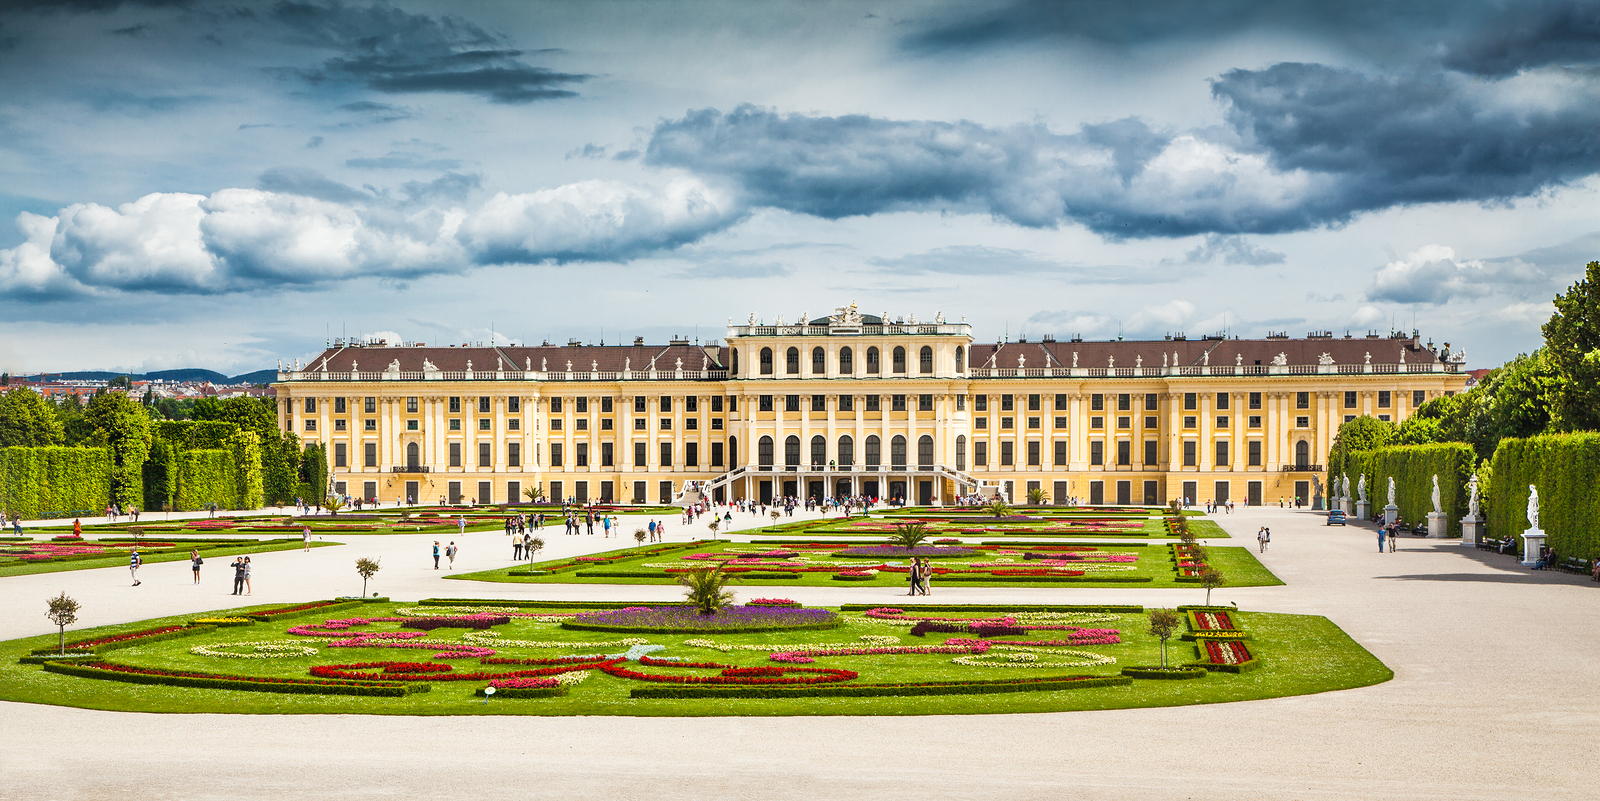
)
(224, 185)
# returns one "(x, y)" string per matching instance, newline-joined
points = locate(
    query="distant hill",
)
(189, 374)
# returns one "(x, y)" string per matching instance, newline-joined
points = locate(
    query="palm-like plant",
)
(1036, 496)
(909, 535)
(533, 492)
(706, 589)
(998, 508)
(333, 503)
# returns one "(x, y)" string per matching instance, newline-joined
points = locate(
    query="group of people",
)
(1264, 538)
(450, 552)
(1391, 532)
(113, 511)
(920, 576)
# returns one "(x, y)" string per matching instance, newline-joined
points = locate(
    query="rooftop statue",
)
(1281, 359)
(1325, 359)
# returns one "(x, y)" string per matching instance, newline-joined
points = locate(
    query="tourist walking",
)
(450, 553)
(461, 524)
(238, 576)
(133, 565)
(516, 548)
(305, 537)
(194, 564)
(247, 575)
(911, 576)
(926, 576)
(435, 554)
(1261, 537)
(1383, 531)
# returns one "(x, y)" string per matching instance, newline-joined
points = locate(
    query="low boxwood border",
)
(523, 692)
(882, 690)
(269, 615)
(526, 604)
(1117, 608)
(1050, 579)
(112, 646)
(1214, 667)
(1171, 673)
(575, 626)
(387, 689)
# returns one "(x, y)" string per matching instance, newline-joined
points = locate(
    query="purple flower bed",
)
(898, 552)
(685, 618)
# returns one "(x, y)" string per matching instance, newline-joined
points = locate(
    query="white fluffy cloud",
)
(240, 239)
(1433, 274)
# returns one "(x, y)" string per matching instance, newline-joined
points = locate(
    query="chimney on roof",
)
(638, 341)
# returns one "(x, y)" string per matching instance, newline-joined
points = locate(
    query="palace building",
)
(853, 404)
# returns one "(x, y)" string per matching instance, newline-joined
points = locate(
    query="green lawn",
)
(1298, 654)
(208, 551)
(647, 565)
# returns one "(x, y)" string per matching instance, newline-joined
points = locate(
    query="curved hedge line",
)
(36, 482)
(1564, 467)
(222, 682)
(1166, 674)
(1413, 468)
(881, 690)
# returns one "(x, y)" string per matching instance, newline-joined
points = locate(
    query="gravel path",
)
(1494, 697)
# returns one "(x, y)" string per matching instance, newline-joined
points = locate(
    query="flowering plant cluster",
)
(445, 649)
(190, 674)
(289, 610)
(459, 622)
(495, 639)
(132, 635)
(900, 552)
(771, 602)
(687, 618)
(809, 655)
(525, 683)
(1212, 621)
(498, 611)
(808, 675)
(359, 670)
(870, 639)
(1226, 652)
(258, 650)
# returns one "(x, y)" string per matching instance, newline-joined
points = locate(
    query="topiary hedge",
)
(983, 687)
(36, 482)
(1564, 468)
(1152, 672)
(1413, 468)
(205, 477)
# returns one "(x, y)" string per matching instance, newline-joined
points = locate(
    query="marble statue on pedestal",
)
(1436, 509)
(1533, 508)
(1361, 487)
(1472, 500)
(1391, 490)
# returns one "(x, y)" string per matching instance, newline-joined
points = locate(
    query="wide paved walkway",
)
(1495, 697)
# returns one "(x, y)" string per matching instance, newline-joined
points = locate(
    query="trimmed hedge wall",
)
(204, 477)
(880, 690)
(36, 482)
(1566, 469)
(1413, 468)
(297, 686)
(1117, 608)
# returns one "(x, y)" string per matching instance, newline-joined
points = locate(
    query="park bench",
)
(1488, 544)
(1572, 564)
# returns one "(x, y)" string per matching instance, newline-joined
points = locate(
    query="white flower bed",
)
(1016, 657)
(495, 640)
(259, 650)
(870, 639)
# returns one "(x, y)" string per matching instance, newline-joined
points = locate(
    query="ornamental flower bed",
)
(666, 619)
(898, 552)
(1212, 621)
(771, 602)
(1226, 652)
(121, 638)
(458, 622)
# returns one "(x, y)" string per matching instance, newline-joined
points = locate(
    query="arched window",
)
(764, 452)
(819, 451)
(874, 452)
(733, 359)
(791, 451)
(792, 361)
(766, 361)
(819, 361)
(847, 361)
(961, 359)
(872, 361)
(925, 360)
(733, 452)
(925, 452)
(961, 452)
(847, 451)
(411, 454)
(897, 451)
(899, 359)
(1302, 453)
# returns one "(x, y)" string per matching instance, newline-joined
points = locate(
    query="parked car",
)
(1336, 518)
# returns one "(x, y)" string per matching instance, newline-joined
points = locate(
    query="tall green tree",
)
(1572, 338)
(122, 426)
(28, 420)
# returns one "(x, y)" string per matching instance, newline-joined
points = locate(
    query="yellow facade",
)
(853, 405)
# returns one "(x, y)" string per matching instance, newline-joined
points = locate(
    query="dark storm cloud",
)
(1524, 36)
(396, 52)
(308, 183)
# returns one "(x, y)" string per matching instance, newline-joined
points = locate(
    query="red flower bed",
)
(190, 674)
(132, 635)
(290, 609)
(1214, 621)
(432, 672)
(1226, 652)
(818, 675)
(417, 667)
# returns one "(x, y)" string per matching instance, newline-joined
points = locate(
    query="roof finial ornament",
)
(1111, 361)
(1238, 359)
(569, 365)
(1369, 357)
(1138, 361)
(469, 365)
(594, 365)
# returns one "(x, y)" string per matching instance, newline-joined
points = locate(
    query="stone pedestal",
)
(1532, 541)
(1390, 512)
(1349, 506)
(1470, 526)
(1316, 504)
(1438, 526)
(1364, 510)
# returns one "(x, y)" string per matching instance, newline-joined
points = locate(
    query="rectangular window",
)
(311, 406)
(484, 423)
(847, 403)
(311, 425)
(555, 454)
(580, 405)
(1150, 452)
(1190, 421)
(411, 425)
(638, 403)
(369, 456)
(369, 406)
(1255, 421)
(556, 492)
(1150, 422)
(1302, 400)
(1189, 450)
(1006, 422)
(1222, 400)
(1061, 452)
(639, 423)
(1418, 397)
(555, 423)
(1006, 402)
(1384, 398)
(716, 454)
(1222, 453)
(716, 424)
(1150, 402)
(1097, 422)
(1255, 453)
(455, 405)
(925, 403)
(733, 403)
(483, 405)
(1349, 417)
(791, 403)
(339, 425)
(1349, 399)
(1097, 452)
(961, 403)
(666, 454)
(765, 403)
(639, 454)
(1006, 459)
(1124, 422)
(980, 423)
(1033, 453)
(1061, 403)
(1302, 422)
(1190, 401)
(513, 404)
(692, 424)
(874, 403)
(819, 403)
(606, 406)
(1124, 453)
(716, 404)
(1033, 403)
(897, 403)
(340, 458)
(555, 406)
(1033, 422)
(665, 494)
(980, 453)
(666, 424)
(1383, 417)
(580, 454)
(1061, 422)
(638, 492)
(1222, 421)
(516, 425)
(608, 456)
(666, 404)
(1097, 402)
(369, 424)
(691, 403)
(411, 405)
(455, 454)
(484, 454)
(514, 454)
(1255, 400)
(980, 403)
(1124, 402)
(691, 454)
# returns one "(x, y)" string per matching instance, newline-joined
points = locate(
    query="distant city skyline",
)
(221, 185)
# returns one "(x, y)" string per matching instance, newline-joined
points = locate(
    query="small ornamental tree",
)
(909, 535)
(714, 525)
(1163, 622)
(1211, 578)
(63, 612)
(367, 568)
(706, 589)
(775, 515)
(639, 535)
(534, 546)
